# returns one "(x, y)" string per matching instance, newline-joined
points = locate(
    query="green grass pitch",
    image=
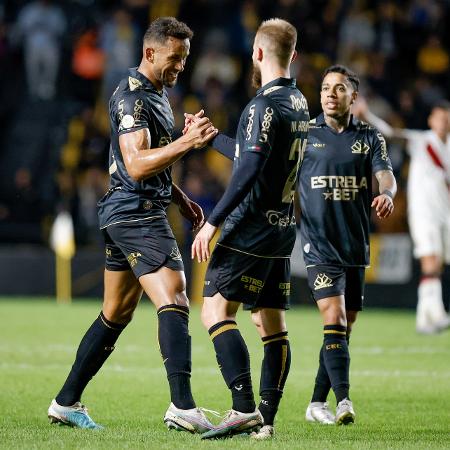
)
(400, 382)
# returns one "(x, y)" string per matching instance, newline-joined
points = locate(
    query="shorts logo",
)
(252, 284)
(108, 252)
(175, 254)
(207, 282)
(360, 148)
(147, 205)
(285, 288)
(322, 281)
(132, 258)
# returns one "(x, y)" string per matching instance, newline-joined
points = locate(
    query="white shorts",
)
(430, 237)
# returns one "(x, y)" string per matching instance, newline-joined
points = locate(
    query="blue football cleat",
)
(73, 416)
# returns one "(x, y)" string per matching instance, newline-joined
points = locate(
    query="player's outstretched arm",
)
(362, 111)
(384, 203)
(143, 162)
(188, 208)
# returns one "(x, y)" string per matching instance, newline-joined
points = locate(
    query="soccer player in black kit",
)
(141, 251)
(336, 197)
(251, 262)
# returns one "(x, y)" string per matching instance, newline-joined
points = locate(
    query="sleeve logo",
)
(127, 122)
(265, 126)
(251, 115)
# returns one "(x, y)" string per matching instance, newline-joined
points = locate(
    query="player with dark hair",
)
(141, 251)
(251, 262)
(336, 197)
(428, 207)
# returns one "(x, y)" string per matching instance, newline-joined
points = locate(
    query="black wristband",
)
(388, 193)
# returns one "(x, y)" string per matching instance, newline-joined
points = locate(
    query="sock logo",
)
(239, 388)
(265, 402)
(322, 281)
(333, 346)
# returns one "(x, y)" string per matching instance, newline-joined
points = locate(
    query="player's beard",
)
(256, 77)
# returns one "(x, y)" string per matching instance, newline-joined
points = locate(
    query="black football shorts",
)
(332, 281)
(255, 281)
(142, 246)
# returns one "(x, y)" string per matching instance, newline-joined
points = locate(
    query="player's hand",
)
(192, 212)
(190, 118)
(384, 206)
(200, 132)
(200, 247)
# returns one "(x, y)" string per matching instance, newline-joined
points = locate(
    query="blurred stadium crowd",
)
(61, 60)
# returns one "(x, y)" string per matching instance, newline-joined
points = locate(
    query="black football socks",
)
(337, 359)
(274, 371)
(94, 349)
(234, 362)
(175, 347)
(322, 384)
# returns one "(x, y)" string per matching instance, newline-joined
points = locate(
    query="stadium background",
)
(54, 139)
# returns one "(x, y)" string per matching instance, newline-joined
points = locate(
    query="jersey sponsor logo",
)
(298, 103)
(132, 258)
(339, 187)
(277, 218)
(134, 83)
(322, 281)
(360, 148)
(175, 254)
(265, 126)
(251, 115)
(252, 284)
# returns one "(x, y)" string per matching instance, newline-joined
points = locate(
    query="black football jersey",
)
(135, 105)
(275, 123)
(336, 191)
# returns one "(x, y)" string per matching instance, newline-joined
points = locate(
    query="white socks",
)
(431, 315)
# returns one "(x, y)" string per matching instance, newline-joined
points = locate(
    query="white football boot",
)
(320, 412)
(344, 412)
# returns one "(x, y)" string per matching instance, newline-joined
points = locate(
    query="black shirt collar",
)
(320, 121)
(277, 82)
(146, 83)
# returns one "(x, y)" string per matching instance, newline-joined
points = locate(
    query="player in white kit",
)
(428, 207)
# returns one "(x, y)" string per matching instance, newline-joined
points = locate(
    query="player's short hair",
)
(165, 27)
(441, 104)
(280, 37)
(351, 76)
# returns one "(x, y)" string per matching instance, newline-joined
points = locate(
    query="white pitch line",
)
(212, 370)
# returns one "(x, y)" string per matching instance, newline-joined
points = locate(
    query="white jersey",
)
(429, 176)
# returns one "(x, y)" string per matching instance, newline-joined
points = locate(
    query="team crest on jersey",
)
(134, 83)
(322, 281)
(360, 148)
(175, 254)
